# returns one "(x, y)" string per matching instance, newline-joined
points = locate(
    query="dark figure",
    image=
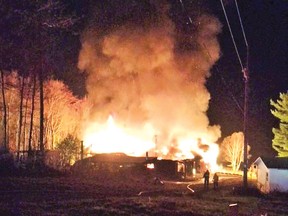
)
(206, 179)
(215, 180)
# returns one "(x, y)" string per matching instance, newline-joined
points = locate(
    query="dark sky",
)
(265, 24)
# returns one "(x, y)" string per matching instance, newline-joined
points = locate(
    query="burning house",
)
(122, 163)
(178, 169)
(112, 163)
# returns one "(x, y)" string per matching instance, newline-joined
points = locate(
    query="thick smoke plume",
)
(139, 74)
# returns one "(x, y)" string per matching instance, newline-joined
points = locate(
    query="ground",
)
(129, 195)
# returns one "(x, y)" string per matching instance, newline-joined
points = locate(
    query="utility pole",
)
(245, 72)
(245, 123)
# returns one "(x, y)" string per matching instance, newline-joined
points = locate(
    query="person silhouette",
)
(206, 179)
(215, 180)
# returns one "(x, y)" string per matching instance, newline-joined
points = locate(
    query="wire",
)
(209, 56)
(232, 36)
(224, 81)
(185, 12)
(242, 28)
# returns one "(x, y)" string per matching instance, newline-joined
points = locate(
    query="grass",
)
(115, 195)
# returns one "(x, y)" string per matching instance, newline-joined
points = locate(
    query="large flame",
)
(110, 138)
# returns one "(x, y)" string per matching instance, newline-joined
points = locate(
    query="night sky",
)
(265, 24)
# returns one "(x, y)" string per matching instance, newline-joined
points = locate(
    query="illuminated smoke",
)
(138, 74)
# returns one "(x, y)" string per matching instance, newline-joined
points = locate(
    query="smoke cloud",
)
(138, 73)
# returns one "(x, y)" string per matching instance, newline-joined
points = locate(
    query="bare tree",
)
(62, 114)
(6, 145)
(20, 120)
(26, 110)
(232, 150)
(32, 116)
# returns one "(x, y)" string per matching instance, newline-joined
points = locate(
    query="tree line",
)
(21, 113)
(37, 110)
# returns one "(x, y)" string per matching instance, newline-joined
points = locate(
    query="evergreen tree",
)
(69, 149)
(280, 141)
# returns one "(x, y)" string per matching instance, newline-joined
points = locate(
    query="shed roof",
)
(275, 163)
(119, 158)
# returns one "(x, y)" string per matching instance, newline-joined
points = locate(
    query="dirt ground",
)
(130, 195)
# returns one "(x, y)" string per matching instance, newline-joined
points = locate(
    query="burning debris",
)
(151, 86)
(120, 163)
(113, 163)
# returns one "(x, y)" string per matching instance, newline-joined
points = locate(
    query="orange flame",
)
(111, 138)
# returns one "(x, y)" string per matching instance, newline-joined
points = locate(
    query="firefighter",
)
(215, 180)
(206, 179)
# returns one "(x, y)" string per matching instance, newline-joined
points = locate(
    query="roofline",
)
(268, 167)
(260, 159)
(277, 169)
(256, 161)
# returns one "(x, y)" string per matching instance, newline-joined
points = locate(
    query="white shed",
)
(271, 174)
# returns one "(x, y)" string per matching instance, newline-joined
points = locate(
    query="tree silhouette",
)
(280, 111)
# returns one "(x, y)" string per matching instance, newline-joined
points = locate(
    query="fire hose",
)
(189, 188)
(159, 191)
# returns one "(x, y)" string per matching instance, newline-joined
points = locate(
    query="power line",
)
(222, 78)
(232, 36)
(242, 28)
(224, 81)
(246, 92)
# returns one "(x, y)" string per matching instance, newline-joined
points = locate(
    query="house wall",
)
(262, 180)
(167, 168)
(278, 180)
